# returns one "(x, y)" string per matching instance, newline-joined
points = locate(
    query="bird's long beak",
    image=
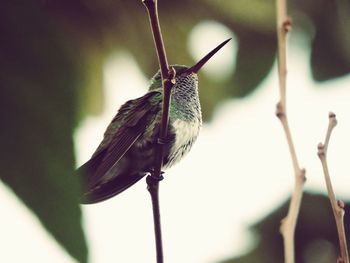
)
(200, 64)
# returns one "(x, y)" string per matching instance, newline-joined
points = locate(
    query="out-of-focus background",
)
(67, 66)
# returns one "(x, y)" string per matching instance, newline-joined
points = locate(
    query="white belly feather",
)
(186, 134)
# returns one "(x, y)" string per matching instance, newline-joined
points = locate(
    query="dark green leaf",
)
(253, 62)
(330, 52)
(37, 96)
(328, 59)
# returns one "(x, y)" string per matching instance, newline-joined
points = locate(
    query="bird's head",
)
(184, 71)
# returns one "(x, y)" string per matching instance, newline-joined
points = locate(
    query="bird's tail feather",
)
(111, 188)
(95, 191)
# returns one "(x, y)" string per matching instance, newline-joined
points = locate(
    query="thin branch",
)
(288, 224)
(281, 36)
(152, 8)
(337, 206)
(168, 80)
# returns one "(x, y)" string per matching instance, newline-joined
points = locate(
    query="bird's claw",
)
(154, 177)
(151, 179)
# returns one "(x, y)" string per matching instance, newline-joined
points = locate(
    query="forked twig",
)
(288, 224)
(168, 80)
(337, 206)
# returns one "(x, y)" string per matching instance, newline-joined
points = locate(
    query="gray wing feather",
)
(133, 121)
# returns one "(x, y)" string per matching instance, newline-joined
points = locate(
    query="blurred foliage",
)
(51, 58)
(316, 238)
(38, 94)
(330, 53)
(102, 27)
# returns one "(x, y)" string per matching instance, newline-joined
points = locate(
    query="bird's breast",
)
(186, 133)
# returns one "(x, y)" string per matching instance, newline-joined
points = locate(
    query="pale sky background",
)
(238, 171)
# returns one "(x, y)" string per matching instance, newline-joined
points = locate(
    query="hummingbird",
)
(126, 153)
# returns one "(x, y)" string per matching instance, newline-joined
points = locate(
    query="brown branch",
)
(288, 224)
(337, 206)
(152, 8)
(168, 80)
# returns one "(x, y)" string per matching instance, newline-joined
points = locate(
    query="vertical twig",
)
(337, 206)
(289, 222)
(168, 80)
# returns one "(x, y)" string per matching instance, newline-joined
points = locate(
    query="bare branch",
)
(168, 80)
(284, 25)
(337, 206)
(152, 8)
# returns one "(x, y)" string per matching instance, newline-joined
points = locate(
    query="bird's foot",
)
(153, 182)
(154, 177)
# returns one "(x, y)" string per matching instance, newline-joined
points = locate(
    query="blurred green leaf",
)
(38, 93)
(253, 62)
(326, 52)
(330, 52)
(330, 56)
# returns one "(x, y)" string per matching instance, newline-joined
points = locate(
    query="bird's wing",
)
(126, 127)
